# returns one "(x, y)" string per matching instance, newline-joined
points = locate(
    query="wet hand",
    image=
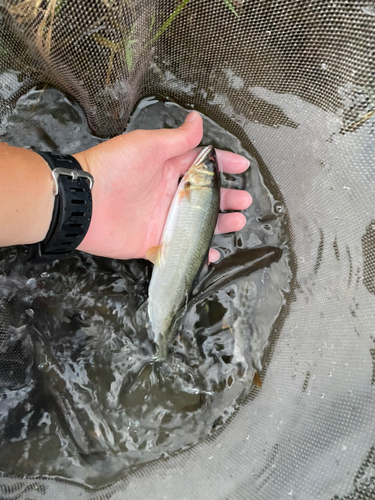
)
(136, 176)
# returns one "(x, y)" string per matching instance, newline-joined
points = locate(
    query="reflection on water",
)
(79, 398)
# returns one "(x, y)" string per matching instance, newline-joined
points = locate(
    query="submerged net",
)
(295, 82)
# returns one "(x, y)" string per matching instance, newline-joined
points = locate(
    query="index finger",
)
(231, 163)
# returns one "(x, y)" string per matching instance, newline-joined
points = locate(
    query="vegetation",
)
(118, 38)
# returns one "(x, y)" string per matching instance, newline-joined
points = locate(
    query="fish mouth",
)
(206, 151)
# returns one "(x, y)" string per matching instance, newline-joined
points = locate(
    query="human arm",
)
(26, 196)
(135, 178)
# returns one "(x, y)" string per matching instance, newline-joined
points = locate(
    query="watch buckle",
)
(75, 174)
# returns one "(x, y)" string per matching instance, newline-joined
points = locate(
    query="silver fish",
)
(184, 244)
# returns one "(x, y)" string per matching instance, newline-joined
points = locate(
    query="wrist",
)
(81, 158)
(44, 196)
(84, 245)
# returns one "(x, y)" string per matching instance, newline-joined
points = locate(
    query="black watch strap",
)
(72, 210)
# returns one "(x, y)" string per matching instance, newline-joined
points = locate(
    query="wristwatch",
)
(72, 209)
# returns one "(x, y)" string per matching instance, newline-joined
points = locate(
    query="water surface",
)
(79, 399)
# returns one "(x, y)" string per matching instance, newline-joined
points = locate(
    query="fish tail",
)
(161, 353)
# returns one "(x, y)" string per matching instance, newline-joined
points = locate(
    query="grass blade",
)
(174, 14)
(228, 3)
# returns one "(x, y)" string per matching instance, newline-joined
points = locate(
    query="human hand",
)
(135, 178)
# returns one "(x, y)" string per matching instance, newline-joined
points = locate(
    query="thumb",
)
(178, 141)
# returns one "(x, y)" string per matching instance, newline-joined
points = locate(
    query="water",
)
(79, 399)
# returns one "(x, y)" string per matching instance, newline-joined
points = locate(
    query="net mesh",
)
(295, 82)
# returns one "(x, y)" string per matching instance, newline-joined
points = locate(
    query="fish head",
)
(204, 172)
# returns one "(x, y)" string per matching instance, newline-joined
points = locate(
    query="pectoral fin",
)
(154, 254)
(257, 381)
(185, 192)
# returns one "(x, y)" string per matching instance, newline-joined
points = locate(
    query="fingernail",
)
(191, 116)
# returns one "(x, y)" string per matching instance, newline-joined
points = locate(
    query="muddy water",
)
(78, 398)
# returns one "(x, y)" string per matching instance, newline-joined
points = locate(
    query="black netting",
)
(295, 82)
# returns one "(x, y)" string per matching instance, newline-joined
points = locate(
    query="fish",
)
(184, 245)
